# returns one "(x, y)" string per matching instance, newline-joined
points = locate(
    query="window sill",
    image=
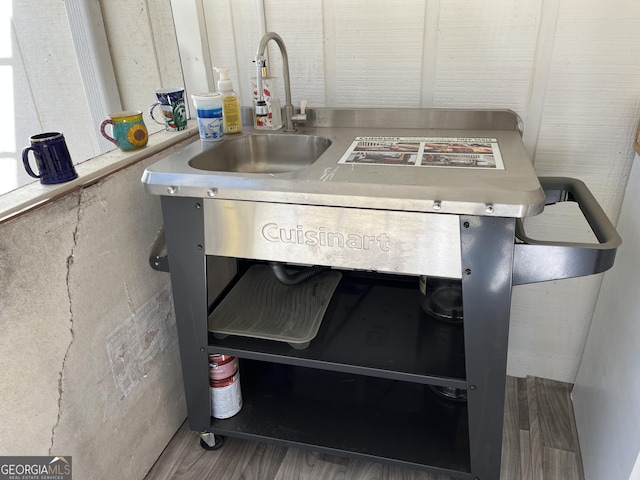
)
(33, 195)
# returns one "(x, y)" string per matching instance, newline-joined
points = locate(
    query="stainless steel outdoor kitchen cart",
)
(419, 216)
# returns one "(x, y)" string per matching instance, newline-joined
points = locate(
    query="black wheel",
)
(218, 445)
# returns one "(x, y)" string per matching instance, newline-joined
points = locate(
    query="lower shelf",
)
(373, 326)
(376, 419)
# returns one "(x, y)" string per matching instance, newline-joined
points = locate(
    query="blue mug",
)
(52, 158)
(174, 113)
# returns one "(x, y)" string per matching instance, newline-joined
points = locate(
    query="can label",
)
(222, 366)
(226, 397)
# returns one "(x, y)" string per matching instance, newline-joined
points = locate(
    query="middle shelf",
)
(375, 326)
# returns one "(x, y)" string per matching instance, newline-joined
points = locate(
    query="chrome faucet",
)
(261, 62)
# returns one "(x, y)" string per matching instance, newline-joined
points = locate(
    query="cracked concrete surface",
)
(34, 318)
(74, 272)
(66, 354)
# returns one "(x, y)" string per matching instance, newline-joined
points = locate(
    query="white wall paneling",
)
(301, 26)
(44, 67)
(540, 74)
(486, 53)
(607, 389)
(188, 17)
(430, 52)
(94, 58)
(141, 62)
(569, 69)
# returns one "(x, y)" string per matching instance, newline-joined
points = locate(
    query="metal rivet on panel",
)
(212, 192)
(172, 190)
(489, 208)
(437, 205)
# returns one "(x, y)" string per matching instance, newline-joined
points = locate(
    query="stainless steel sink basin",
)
(269, 153)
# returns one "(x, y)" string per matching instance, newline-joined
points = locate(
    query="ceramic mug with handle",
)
(174, 113)
(52, 158)
(128, 130)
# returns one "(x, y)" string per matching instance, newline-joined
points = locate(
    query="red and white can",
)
(222, 366)
(225, 394)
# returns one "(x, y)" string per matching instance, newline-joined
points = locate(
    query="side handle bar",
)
(540, 261)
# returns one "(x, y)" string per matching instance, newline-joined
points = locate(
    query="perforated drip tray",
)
(259, 306)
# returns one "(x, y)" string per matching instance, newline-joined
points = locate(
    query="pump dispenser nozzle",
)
(224, 84)
(231, 114)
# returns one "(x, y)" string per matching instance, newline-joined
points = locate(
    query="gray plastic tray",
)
(259, 306)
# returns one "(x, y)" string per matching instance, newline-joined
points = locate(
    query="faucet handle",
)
(302, 116)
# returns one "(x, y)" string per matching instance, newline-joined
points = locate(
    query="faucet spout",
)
(261, 62)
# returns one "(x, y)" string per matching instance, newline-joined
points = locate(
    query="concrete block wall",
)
(88, 350)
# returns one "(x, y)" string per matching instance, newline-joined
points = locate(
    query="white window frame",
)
(94, 59)
(101, 89)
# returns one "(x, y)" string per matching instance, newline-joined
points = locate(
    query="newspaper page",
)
(425, 152)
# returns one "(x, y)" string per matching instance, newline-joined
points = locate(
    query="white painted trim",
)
(635, 474)
(430, 52)
(262, 18)
(329, 52)
(193, 45)
(94, 59)
(34, 194)
(540, 75)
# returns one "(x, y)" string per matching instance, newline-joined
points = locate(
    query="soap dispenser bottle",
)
(231, 114)
(271, 119)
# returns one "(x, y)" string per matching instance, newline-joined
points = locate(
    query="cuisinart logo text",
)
(275, 233)
(35, 468)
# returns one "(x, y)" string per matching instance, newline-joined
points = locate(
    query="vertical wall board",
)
(430, 52)
(51, 70)
(379, 53)
(606, 395)
(191, 36)
(550, 320)
(549, 323)
(592, 101)
(590, 110)
(485, 53)
(300, 25)
(94, 61)
(27, 123)
(220, 35)
(329, 48)
(131, 42)
(246, 27)
(539, 76)
(165, 46)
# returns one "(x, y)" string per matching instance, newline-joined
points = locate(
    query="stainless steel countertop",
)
(512, 192)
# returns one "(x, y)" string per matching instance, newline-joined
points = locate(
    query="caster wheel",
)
(218, 445)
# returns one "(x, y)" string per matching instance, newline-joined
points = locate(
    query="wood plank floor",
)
(540, 443)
